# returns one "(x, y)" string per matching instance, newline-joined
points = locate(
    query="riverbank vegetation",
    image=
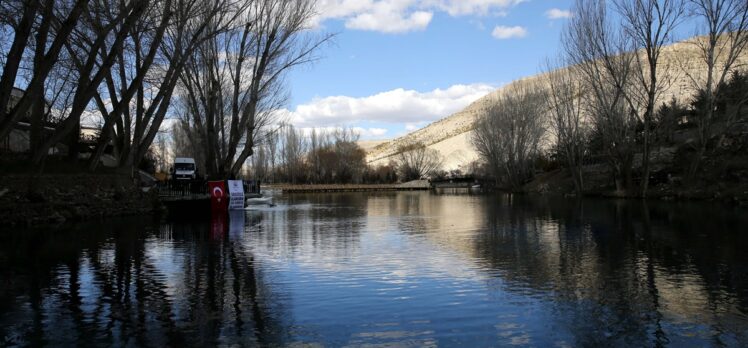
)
(600, 114)
(109, 86)
(123, 68)
(92, 84)
(332, 156)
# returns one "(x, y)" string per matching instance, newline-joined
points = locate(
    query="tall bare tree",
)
(725, 30)
(335, 157)
(565, 101)
(93, 49)
(509, 134)
(650, 25)
(261, 163)
(317, 141)
(416, 161)
(293, 148)
(234, 82)
(142, 84)
(52, 23)
(127, 79)
(603, 55)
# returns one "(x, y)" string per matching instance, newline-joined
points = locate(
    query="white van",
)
(184, 169)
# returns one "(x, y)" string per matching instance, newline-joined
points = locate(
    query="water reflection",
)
(134, 283)
(629, 273)
(387, 269)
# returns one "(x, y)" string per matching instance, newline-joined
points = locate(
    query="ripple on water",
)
(395, 269)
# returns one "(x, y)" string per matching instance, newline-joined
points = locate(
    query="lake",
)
(387, 269)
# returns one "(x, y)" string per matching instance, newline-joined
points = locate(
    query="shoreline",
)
(421, 185)
(58, 199)
(54, 199)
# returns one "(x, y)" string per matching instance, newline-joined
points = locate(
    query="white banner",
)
(236, 195)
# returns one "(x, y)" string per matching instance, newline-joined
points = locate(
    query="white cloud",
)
(370, 132)
(390, 22)
(556, 13)
(398, 106)
(364, 133)
(474, 7)
(398, 16)
(501, 32)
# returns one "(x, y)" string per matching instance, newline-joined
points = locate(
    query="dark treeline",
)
(602, 99)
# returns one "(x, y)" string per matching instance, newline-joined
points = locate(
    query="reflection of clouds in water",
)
(392, 257)
(529, 250)
(406, 269)
(167, 263)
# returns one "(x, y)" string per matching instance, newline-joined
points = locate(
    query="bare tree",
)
(650, 25)
(234, 82)
(142, 91)
(93, 49)
(416, 161)
(725, 27)
(126, 81)
(351, 158)
(335, 157)
(317, 141)
(260, 163)
(565, 99)
(293, 150)
(508, 135)
(55, 20)
(602, 54)
(271, 141)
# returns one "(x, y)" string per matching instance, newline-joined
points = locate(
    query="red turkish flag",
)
(219, 197)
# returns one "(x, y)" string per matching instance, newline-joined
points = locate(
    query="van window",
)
(184, 166)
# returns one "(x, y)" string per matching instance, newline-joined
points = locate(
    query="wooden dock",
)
(350, 188)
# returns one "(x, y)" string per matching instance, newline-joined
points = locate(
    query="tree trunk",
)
(87, 86)
(15, 55)
(35, 86)
(645, 162)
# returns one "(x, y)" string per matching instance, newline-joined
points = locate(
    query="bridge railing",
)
(186, 188)
(181, 188)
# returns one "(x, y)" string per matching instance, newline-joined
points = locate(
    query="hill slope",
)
(451, 135)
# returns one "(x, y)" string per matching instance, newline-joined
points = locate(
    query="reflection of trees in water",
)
(173, 287)
(616, 266)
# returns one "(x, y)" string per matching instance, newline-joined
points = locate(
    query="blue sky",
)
(397, 65)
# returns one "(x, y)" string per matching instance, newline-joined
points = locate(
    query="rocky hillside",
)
(451, 135)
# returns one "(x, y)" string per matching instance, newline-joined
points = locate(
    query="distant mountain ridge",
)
(451, 135)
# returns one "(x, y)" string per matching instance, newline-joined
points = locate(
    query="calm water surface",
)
(395, 269)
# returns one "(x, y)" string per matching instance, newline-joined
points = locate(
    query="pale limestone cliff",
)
(680, 66)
